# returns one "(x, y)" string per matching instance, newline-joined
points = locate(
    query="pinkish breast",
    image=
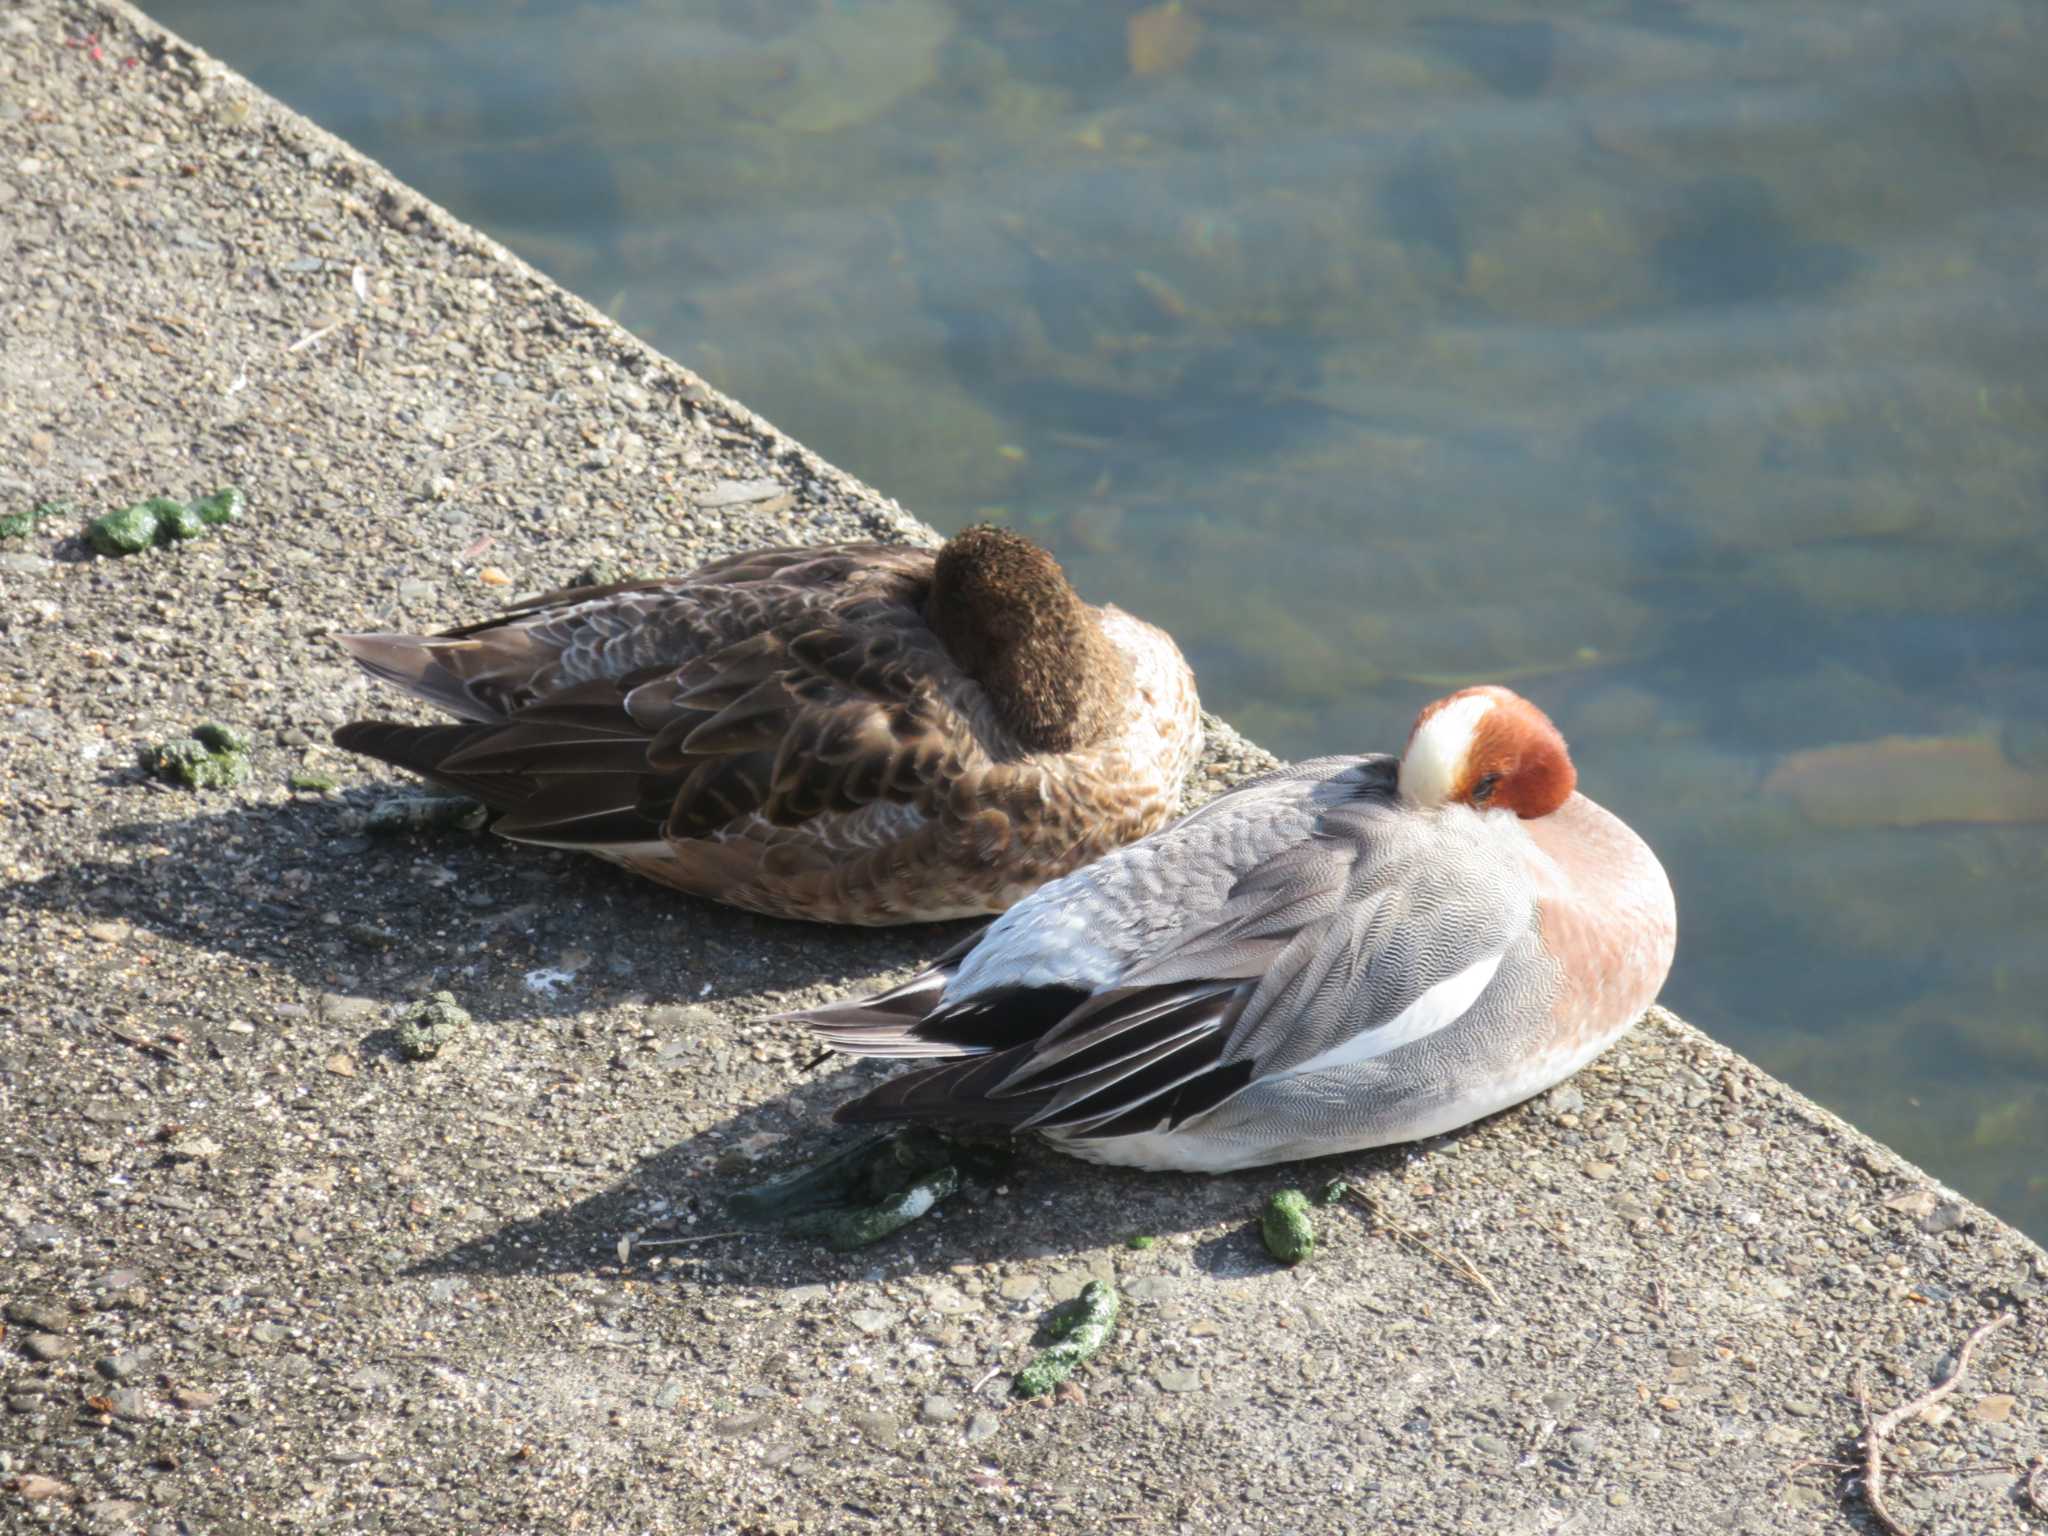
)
(1607, 916)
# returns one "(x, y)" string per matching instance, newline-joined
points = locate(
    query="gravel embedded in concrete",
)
(273, 1276)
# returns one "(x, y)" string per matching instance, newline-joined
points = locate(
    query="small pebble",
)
(125, 1366)
(880, 1429)
(38, 1314)
(45, 1346)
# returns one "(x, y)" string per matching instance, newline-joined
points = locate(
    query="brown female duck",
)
(853, 733)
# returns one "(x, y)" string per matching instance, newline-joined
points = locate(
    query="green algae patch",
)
(1141, 1242)
(858, 1226)
(221, 738)
(1284, 1224)
(860, 1196)
(128, 531)
(1078, 1329)
(212, 757)
(426, 813)
(19, 525)
(179, 522)
(426, 1028)
(163, 520)
(313, 783)
(225, 505)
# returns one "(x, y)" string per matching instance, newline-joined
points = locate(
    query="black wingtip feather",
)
(424, 749)
(953, 1093)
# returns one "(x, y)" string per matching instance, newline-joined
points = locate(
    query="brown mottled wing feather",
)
(783, 684)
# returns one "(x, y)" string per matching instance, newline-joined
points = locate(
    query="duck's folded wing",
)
(815, 711)
(1370, 932)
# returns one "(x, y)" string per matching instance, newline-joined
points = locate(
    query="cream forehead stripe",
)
(1436, 756)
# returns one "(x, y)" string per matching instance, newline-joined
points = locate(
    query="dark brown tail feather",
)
(421, 749)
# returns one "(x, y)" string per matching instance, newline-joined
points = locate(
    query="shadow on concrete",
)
(1042, 1204)
(301, 888)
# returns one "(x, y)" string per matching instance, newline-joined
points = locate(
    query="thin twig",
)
(141, 1043)
(1813, 1462)
(684, 1242)
(1877, 1430)
(1968, 1469)
(1456, 1263)
(1873, 1462)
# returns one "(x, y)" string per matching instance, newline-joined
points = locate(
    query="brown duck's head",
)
(1488, 748)
(1006, 613)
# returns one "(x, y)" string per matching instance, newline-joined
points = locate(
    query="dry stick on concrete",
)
(1456, 1263)
(1879, 1429)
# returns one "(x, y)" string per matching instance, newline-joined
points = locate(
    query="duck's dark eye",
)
(1483, 790)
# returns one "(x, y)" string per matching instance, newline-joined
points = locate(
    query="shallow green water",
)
(1681, 363)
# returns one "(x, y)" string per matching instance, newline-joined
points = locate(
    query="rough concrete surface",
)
(261, 1271)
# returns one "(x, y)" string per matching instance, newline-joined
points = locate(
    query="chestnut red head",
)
(1488, 748)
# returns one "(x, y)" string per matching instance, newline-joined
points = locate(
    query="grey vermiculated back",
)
(1089, 928)
(1345, 905)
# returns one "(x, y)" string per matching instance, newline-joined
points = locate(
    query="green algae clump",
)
(426, 1027)
(844, 1231)
(861, 1195)
(178, 522)
(225, 505)
(19, 525)
(1284, 1224)
(221, 738)
(1079, 1328)
(212, 757)
(163, 520)
(397, 814)
(128, 531)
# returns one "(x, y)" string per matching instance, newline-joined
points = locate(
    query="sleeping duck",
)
(1348, 952)
(852, 733)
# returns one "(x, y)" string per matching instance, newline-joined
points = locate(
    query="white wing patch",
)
(1438, 1008)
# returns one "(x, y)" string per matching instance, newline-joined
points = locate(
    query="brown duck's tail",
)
(422, 749)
